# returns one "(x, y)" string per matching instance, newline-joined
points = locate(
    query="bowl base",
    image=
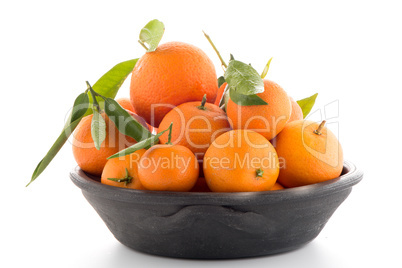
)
(205, 256)
(217, 225)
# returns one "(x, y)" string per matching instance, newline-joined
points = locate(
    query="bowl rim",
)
(351, 175)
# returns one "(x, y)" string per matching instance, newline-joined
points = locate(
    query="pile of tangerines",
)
(210, 142)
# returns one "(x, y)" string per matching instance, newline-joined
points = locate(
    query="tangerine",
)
(166, 167)
(174, 73)
(241, 161)
(267, 120)
(88, 158)
(195, 125)
(311, 153)
(297, 113)
(123, 171)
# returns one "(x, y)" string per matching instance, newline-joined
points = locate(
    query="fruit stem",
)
(94, 95)
(216, 50)
(318, 130)
(127, 179)
(204, 100)
(169, 142)
(266, 68)
(259, 172)
(143, 45)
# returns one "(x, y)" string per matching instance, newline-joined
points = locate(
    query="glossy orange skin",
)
(307, 157)
(116, 168)
(168, 168)
(88, 158)
(268, 120)
(193, 127)
(173, 74)
(277, 186)
(297, 113)
(232, 161)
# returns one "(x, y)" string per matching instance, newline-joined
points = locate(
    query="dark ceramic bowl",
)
(217, 225)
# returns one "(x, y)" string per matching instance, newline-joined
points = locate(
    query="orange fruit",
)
(166, 167)
(241, 161)
(268, 120)
(126, 104)
(173, 74)
(277, 186)
(88, 158)
(219, 95)
(195, 126)
(310, 154)
(123, 169)
(297, 113)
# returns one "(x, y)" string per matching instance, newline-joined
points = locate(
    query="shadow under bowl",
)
(217, 225)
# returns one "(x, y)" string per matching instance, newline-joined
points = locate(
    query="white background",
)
(348, 51)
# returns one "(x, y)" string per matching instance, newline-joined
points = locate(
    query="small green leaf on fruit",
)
(152, 34)
(243, 78)
(127, 179)
(146, 143)
(124, 122)
(245, 100)
(266, 68)
(98, 129)
(307, 104)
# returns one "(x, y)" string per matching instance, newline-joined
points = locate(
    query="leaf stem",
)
(266, 68)
(94, 95)
(204, 100)
(318, 130)
(169, 142)
(216, 50)
(259, 172)
(127, 179)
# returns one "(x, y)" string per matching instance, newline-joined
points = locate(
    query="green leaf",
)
(221, 80)
(80, 107)
(140, 145)
(152, 34)
(109, 84)
(243, 78)
(98, 129)
(307, 104)
(61, 140)
(124, 122)
(245, 100)
(266, 68)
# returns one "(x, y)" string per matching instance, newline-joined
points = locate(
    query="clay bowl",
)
(217, 225)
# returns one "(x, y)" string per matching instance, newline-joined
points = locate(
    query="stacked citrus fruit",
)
(188, 130)
(177, 84)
